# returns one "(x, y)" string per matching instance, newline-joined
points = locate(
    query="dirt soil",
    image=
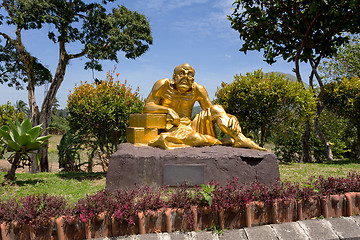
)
(5, 166)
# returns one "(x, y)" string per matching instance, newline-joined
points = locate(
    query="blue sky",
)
(184, 31)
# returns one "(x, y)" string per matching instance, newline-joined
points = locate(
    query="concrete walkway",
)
(317, 229)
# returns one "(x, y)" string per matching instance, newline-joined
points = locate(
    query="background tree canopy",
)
(96, 33)
(298, 31)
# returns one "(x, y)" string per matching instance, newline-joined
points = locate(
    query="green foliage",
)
(339, 131)
(287, 140)
(22, 139)
(13, 71)
(79, 29)
(262, 101)
(9, 112)
(206, 193)
(69, 152)
(345, 63)
(343, 98)
(294, 29)
(99, 113)
(58, 125)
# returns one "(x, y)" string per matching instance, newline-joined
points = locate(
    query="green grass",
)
(301, 172)
(72, 186)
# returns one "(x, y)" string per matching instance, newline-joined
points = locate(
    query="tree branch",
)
(6, 6)
(78, 55)
(7, 37)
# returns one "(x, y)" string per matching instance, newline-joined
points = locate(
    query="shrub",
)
(92, 205)
(35, 210)
(8, 112)
(342, 97)
(99, 113)
(21, 139)
(261, 101)
(125, 204)
(69, 152)
(338, 185)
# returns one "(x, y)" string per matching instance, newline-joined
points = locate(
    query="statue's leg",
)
(230, 125)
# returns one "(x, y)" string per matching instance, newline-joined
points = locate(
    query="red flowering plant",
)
(34, 210)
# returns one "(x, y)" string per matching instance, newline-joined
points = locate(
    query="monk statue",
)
(176, 98)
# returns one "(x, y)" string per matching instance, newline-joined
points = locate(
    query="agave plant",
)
(21, 139)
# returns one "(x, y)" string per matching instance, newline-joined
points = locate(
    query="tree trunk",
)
(10, 176)
(325, 142)
(45, 115)
(329, 154)
(305, 143)
(357, 154)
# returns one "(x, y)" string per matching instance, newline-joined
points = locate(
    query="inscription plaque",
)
(177, 174)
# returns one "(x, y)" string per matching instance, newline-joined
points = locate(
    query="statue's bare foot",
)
(248, 144)
(227, 141)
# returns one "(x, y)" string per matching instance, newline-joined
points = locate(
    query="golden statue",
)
(169, 108)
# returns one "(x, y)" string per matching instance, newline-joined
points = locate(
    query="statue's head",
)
(183, 77)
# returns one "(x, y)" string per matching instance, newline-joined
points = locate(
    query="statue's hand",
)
(173, 117)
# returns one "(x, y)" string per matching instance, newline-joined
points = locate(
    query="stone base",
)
(143, 165)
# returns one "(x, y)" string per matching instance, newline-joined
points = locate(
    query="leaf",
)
(13, 146)
(33, 146)
(5, 135)
(24, 139)
(5, 128)
(43, 138)
(25, 126)
(34, 132)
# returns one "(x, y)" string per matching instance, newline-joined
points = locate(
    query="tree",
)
(99, 113)
(261, 101)
(345, 63)
(21, 107)
(100, 35)
(343, 98)
(298, 31)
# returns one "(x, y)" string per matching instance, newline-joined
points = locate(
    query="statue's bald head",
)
(184, 66)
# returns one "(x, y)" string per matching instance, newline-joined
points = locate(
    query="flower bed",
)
(146, 210)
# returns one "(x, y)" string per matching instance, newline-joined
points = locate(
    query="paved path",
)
(317, 229)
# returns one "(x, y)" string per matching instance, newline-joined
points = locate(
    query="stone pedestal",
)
(143, 165)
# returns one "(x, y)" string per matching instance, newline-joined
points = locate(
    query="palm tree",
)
(21, 107)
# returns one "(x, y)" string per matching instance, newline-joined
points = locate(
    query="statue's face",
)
(184, 79)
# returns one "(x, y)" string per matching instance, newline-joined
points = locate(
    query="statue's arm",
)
(203, 97)
(153, 103)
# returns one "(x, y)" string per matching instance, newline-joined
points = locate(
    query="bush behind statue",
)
(269, 105)
(99, 114)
